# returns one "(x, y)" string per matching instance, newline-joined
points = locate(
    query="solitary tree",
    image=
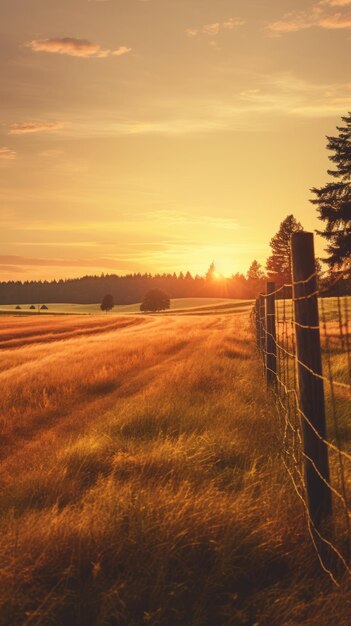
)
(279, 263)
(255, 271)
(18, 308)
(211, 272)
(44, 307)
(107, 303)
(155, 300)
(334, 199)
(32, 307)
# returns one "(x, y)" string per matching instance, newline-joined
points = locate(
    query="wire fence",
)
(303, 336)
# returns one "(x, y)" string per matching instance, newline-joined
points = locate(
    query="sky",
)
(162, 135)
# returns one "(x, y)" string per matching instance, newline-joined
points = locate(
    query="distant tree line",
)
(129, 289)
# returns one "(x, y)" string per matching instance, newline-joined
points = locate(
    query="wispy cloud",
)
(251, 109)
(337, 3)
(6, 154)
(321, 14)
(182, 218)
(285, 94)
(23, 128)
(70, 46)
(11, 269)
(213, 29)
(51, 153)
(18, 261)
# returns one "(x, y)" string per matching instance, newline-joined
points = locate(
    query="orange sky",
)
(159, 135)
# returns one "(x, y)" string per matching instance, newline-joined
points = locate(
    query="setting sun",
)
(218, 276)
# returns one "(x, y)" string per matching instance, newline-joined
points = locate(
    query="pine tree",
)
(255, 271)
(334, 199)
(279, 263)
(211, 272)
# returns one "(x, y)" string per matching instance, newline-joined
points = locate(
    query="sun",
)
(217, 276)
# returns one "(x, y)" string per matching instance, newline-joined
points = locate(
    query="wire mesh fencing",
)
(303, 336)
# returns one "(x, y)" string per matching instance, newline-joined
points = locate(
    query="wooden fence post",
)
(311, 389)
(271, 345)
(257, 320)
(262, 317)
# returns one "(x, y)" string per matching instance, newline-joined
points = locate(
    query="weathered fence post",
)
(311, 389)
(262, 316)
(257, 319)
(271, 345)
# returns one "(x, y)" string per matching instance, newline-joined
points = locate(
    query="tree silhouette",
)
(127, 289)
(334, 199)
(211, 272)
(155, 300)
(255, 271)
(279, 263)
(107, 303)
(44, 307)
(32, 307)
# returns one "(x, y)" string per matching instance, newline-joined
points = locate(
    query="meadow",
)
(179, 305)
(141, 480)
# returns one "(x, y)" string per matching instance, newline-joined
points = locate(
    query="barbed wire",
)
(333, 329)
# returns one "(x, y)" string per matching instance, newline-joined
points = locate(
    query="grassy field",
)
(335, 335)
(180, 305)
(141, 482)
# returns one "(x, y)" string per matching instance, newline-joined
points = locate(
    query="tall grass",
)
(141, 483)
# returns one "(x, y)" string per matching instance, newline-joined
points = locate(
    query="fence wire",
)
(332, 541)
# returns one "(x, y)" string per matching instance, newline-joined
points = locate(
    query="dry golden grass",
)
(141, 482)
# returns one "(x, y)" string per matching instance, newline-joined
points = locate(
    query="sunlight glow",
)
(218, 276)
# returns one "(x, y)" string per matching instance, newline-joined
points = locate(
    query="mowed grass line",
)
(149, 490)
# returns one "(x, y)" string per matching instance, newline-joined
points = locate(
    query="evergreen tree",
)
(279, 263)
(211, 272)
(334, 199)
(255, 271)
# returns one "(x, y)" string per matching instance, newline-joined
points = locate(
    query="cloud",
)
(337, 3)
(192, 32)
(19, 261)
(6, 154)
(213, 29)
(23, 128)
(75, 48)
(232, 23)
(337, 21)
(51, 153)
(321, 15)
(12, 269)
(251, 109)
